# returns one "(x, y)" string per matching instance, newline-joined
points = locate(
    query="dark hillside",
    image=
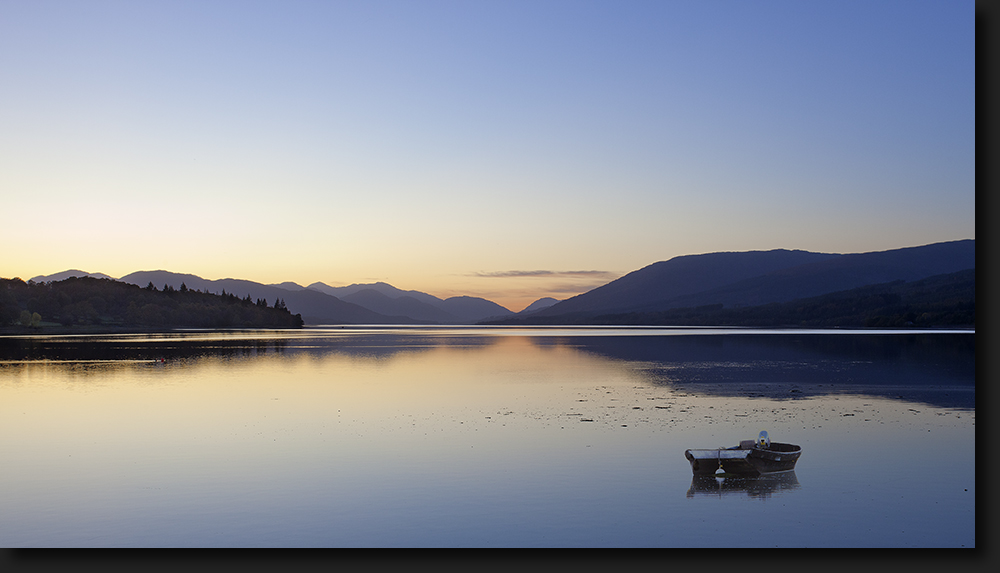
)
(85, 301)
(756, 278)
(402, 306)
(416, 305)
(844, 272)
(314, 306)
(660, 282)
(471, 308)
(380, 287)
(939, 301)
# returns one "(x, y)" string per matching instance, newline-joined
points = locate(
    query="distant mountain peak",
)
(540, 304)
(67, 274)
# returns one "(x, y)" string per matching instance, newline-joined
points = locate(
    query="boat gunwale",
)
(746, 458)
(796, 449)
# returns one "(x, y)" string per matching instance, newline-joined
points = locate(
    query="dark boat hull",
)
(744, 459)
(772, 461)
(762, 486)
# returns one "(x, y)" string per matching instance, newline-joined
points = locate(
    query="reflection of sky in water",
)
(439, 437)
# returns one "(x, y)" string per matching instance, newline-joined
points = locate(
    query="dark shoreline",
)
(105, 329)
(120, 329)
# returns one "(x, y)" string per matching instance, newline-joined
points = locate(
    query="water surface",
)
(483, 437)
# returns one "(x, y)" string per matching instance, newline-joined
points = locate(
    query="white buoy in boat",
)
(762, 440)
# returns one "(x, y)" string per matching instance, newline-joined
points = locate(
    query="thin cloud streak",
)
(545, 274)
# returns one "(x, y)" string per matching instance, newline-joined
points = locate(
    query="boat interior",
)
(773, 446)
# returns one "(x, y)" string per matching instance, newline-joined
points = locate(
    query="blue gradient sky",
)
(459, 147)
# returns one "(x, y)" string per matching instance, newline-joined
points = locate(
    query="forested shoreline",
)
(89, 303)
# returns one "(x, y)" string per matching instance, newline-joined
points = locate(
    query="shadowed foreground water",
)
(442, 437)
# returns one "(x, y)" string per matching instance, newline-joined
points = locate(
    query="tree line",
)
(91, 301)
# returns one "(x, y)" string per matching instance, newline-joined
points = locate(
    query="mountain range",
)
(375, 303)
(723, 279)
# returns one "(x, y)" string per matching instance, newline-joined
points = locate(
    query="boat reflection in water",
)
(762, 486)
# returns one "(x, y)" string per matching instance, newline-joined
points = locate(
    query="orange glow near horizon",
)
(513, 293)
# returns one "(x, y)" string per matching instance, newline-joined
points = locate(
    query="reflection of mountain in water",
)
(938, 369)
(235, 344)
(87, 348)
(760, 486)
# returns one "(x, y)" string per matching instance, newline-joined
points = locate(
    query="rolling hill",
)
(453, 310)
(738, 279)
(538, 305)
(376, 303)
(947, 300)
(67, 274)
(402, 306)
(314, 306)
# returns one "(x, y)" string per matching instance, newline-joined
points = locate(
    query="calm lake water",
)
(484, 437)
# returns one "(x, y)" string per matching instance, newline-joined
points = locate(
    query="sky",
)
(508, 149)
